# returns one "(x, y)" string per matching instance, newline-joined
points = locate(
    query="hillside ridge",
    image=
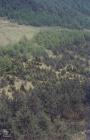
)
(66, 13)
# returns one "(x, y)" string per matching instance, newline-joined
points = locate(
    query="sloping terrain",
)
(67, 13)
(45, 69)
(11, 33)
(44, 85)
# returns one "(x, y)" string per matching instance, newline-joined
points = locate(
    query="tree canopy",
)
(68, 13)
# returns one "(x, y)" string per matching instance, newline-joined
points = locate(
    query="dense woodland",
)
(44, 85)
(68, 13)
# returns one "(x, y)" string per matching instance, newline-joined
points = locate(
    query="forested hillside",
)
(44, 85)
(68, 13)
(44, 69)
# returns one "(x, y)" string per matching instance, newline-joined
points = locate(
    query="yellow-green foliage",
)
(5, 63)
(57, 38)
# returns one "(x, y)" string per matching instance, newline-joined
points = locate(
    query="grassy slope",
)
(12, 32)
